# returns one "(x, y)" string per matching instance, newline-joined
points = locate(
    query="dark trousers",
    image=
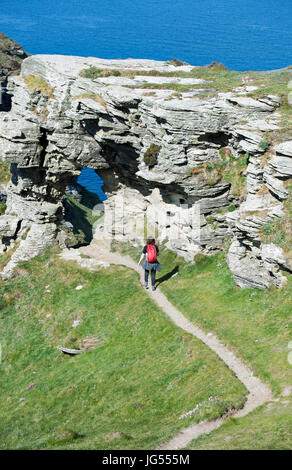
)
(153, 272)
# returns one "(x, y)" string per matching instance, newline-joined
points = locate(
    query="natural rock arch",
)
(61, 122)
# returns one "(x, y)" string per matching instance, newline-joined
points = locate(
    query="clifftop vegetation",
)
(11, 56)
(218, 79)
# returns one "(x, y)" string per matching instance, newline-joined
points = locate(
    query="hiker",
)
(151, 262)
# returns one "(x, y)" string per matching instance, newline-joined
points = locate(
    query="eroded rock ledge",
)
(211, 153)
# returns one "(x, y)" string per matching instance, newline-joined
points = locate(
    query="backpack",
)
(151, 253)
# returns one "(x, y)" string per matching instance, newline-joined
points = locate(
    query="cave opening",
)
(83, 195)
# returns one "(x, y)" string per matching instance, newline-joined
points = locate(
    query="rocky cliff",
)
(201, 150)
(11, 57)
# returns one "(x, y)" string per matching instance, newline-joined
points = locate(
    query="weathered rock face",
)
(11, 56)
(253, 263)
(62, 122)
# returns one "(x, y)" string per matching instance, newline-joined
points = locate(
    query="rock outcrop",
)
(61, 122)
(11, 57)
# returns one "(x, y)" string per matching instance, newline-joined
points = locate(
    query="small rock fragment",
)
(31, 386)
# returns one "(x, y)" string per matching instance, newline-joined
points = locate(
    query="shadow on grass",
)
(89, 199)
(168, 275)
(80, 215)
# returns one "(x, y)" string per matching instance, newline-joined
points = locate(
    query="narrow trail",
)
(258, 392)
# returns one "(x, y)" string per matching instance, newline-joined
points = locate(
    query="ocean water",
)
(92, 182)
(243, 34)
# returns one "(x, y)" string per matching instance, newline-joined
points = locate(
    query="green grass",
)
(2, 208)
(285, 131)
(255, 324)
(233, 172)
(93, 72)
(264, 144)
(267, 428)
(220, 78)
(279, 230)
(5, 174)
(275, 83)
(151, 155)
(142, 376)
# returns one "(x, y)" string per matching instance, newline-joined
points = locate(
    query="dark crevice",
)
(286, 268)
(91, 126)
(275, 195)
(6, 240)
(44, 144)
(218, 138)
(222, 191)
(5, 97)
(122, 158)
(17, 228)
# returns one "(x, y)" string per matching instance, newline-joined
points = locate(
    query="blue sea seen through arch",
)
(92, 182)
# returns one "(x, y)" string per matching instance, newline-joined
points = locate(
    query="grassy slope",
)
(279, 230)
(255, 324)
(144, 374)
(5, 174)
(267, 428)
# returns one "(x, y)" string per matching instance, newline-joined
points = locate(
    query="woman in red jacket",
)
(151, 262)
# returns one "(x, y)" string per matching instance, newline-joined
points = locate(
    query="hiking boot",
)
(153, 288)
(145, 285)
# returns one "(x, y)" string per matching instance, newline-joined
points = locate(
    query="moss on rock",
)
(151, 155)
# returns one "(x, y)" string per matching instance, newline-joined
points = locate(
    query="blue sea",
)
(92, 182)
(243, 34)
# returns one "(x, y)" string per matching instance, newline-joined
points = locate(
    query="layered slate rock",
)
(252, 262)
(61, 122)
